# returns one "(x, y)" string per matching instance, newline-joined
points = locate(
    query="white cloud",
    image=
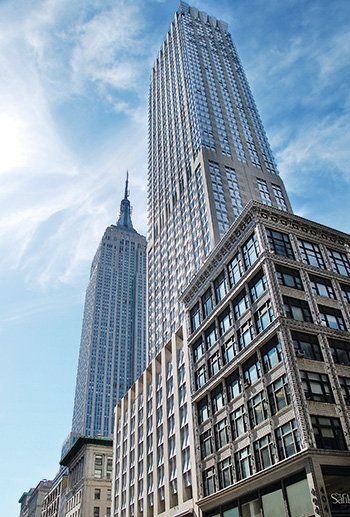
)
(55, 202)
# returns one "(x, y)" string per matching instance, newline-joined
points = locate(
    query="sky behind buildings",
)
(73, 104)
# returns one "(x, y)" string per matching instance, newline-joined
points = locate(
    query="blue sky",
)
(73, 104)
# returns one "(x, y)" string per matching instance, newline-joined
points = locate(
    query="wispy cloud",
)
(55, 201)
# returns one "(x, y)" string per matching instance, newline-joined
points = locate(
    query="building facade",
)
(256, 299)
(153, 468)
(208, 157)
(54, 503)
(32, 501)
(268, 333)
(113, 340)
(89, 472)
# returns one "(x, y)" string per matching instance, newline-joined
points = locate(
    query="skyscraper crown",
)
(124, 220)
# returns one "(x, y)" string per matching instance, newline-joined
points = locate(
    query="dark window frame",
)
(300, 342)
(340, 264)
(260, 447)
(311, 254)
(320, 285)
(326, 315)
(334, 426)
(280, 243)
(316, 386)
(287, 430)
(271, 349)
(220, 287)
(250, 251)
(294, 303)
(278, 394)
(285, 273)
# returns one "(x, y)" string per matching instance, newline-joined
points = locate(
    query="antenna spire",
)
(126, 194)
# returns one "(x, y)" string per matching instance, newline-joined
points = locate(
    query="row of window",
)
(242, 260)
(251, 369)
(320, 286)
(224, 432)
(280, 243)
(310, 252)
(299, 310)
(289, 497)
(328, 434)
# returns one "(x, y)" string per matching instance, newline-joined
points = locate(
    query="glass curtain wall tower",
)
(208, 157)
(113, 339)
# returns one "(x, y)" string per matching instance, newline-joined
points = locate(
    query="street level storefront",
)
(288, 498)
(337, 485)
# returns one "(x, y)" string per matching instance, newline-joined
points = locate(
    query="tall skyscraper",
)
(208, 156)
(113, 339)
(243, 409)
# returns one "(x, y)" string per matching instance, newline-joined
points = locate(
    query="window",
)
(281, 203)
(97, 493)
(340, 351)
(209, 481)
(257, 409)
(345, 289)
(257, 286)
(287, 437)
(307, 345)
(98, 467)
(240, 304)
(322, 287)
(251, 371)
(195, 317)
(271, 354)
(109, 494)
(250, 251)
(229, 350)
(340, 262)
(200, 377)
(225, 473)
(263, 452)
(198, 349)
(297, 309)
(210, 336)
(203, 410)
(278, 392)
(328, 433)
(217, 398)
(207, 303)
(245, 334)
(206, 443)
(289, 277)
(225, 321)
(214, 364)
(331, 318)
(109, 468)
(238, 422)
(233, 385)
(280, 243)
(221, 437)
(96, 511)
(345, 387)
(220, 287)
(264, 192)
(243, 463)
(316, 386)
(311, 254)
(235, 270)
(263, 316)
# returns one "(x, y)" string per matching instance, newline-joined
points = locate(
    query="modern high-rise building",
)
(113, 340)
(243, 409)
(208, 157)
